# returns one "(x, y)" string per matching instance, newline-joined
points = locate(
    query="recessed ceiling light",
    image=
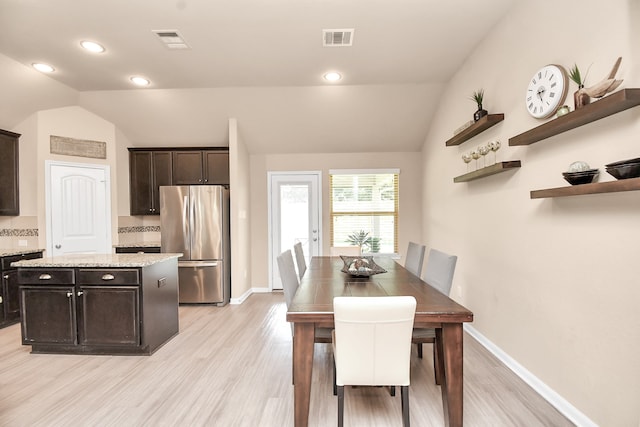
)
(45, 68)
(332, 76)
(140, 81)
(92, 46)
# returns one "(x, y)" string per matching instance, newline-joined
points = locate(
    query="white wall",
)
(552, 282)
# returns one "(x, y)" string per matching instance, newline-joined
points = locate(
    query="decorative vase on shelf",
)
(580, 98)
(480, 113)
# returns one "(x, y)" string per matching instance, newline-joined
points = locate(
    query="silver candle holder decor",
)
(482, 151)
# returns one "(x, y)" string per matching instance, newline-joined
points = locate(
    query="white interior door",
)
(78, 212)
(294, 216)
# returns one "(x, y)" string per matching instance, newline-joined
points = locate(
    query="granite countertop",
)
(16, 251)
(138, 245)
(98, 260)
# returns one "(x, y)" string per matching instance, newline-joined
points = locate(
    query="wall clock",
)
(546, 91)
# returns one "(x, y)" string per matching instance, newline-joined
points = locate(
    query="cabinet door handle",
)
(108, 277)
(0, 300)
(69, 294)
(6, 276)
(45, 276)
(80, 293)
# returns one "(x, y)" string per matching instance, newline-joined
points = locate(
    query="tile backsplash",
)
(19, 232)
(138, 229)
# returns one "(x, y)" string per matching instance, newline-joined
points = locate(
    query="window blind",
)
(365, 204)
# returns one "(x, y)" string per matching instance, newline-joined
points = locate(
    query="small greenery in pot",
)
(478, 98)
(580, 98)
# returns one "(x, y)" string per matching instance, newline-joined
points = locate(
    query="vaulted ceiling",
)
(260, 61)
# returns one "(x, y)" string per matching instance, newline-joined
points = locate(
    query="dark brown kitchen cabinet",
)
(148, 170)
(51, 314)
(9, 189)
(99, 310)
(9, 291)
(201, 167)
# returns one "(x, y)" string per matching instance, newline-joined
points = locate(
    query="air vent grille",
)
(171, 39)
(337, 38)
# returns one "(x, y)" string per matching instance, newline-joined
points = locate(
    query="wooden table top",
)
(324, 280)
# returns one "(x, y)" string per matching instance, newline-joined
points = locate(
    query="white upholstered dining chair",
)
(300, 261)
(372, 345)
(290, 285)
(439, 274)
(288, 277)
(414, 258)
(346, 250)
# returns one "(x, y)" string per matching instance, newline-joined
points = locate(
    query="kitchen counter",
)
(15, 251)
(99, 304)
(98, 260)
(138, 245)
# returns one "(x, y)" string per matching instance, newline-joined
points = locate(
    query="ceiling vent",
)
(171, 39)
(336, 38)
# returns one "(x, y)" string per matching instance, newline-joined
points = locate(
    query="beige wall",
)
(410, 194)
(240, 213)
(552, 282)
(72, 122)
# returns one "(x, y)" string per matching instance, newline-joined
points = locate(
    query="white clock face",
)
(546, 91)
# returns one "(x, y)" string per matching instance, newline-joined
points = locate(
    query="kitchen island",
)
(99, 304)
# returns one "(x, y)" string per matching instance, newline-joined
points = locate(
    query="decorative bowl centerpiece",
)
(360, 266)
(580, 173)
(624, 169)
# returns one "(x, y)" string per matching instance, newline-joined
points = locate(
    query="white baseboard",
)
(561, 404)
(247, 294)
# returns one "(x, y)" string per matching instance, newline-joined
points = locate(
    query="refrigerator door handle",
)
(197, 263)
(186, 223)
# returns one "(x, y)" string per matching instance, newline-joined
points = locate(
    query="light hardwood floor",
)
(231, 366)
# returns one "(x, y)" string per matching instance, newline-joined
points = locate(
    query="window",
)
(364, 206)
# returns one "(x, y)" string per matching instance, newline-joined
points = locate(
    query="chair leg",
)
(419, 350)
(436, 364)
(392, 390)
(341, 406)
(335, 389)
(404, 396)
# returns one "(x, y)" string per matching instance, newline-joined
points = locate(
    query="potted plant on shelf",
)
(478, 97)
(580, 97)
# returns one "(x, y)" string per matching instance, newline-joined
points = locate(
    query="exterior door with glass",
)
(294, 210)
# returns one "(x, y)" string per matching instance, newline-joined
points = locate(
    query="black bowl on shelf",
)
(624, 162)
(624, 171)
(583, 177)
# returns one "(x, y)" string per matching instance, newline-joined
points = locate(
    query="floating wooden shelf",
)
(489, 170)
(632, 184)
(481, 125)
(611, 104)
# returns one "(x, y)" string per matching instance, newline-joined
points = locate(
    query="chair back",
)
(414, 259)
(440, 269)
(300, 261)
(288, 276)
(373, 339)
(346, 250)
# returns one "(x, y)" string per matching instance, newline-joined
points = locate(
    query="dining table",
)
(312, 307)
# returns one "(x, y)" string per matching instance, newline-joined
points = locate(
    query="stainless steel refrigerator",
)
(194, 220)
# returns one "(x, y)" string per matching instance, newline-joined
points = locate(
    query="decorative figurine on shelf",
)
(478, 97)
(607, 85)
